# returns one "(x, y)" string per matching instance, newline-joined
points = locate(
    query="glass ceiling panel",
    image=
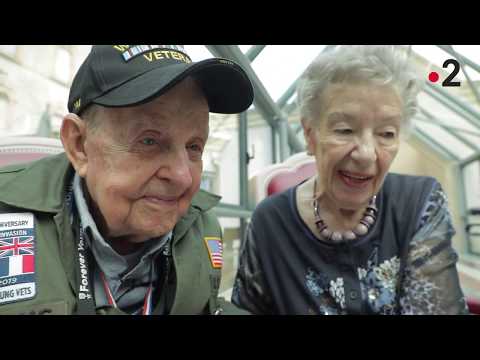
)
(291, 60)
(472, 74)
(444, 114)
(245, 48)
(278, 66)
(443, 137)
(472, 138)
(432, 53)
(471, 52)
(198, 52)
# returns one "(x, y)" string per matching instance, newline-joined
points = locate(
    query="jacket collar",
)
(47, 177)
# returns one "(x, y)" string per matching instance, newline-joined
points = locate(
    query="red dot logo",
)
(433, 76)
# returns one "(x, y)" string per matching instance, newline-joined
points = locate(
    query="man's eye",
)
(195, 147)
(148, 141)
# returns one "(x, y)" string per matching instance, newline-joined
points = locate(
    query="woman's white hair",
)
(384, 65)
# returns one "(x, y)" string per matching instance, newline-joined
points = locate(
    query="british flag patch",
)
(17, 257)
(215, 251)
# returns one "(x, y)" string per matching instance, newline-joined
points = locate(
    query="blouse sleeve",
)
(249, 290)
(431, 284)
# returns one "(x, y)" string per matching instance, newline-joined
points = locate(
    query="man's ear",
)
(73, 135)
(309, 134)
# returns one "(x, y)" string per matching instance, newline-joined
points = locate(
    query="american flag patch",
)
(215, 251)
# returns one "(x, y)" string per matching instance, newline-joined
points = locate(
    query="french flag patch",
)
(17, 257)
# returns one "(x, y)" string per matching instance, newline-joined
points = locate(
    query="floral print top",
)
(404, 265)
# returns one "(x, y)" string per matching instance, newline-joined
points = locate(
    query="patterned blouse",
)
(404, 265)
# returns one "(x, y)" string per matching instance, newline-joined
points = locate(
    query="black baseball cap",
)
(128, 75)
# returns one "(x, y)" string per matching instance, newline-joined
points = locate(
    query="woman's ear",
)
(73, 135)
(309, 134)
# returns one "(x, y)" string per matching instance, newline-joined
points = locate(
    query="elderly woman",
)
(354, 239)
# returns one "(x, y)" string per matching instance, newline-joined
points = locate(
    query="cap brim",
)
(226, 86)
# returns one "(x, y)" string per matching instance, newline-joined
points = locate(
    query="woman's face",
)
(354, 138)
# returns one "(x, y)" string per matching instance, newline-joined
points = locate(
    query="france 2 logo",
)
(433, 76)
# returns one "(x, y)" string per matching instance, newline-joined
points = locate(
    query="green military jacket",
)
(40, 187)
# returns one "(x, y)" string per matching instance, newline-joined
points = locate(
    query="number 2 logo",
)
(456, 67)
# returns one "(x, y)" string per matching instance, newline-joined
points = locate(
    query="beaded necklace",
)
(362, 228)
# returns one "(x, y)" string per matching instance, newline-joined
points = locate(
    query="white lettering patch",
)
(16, 221)
(17, 292)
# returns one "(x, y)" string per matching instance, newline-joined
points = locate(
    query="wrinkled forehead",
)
(160, 115)
(360, 96)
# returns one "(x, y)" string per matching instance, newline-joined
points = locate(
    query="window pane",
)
(458, 148)
(471, 172)
(231, 247)
(62, 65)
(278, 66)
(198, 52)
(8, 49)
(471, 52)
(31, 86)
(474, 139)
(245, 48)
(221, 157)
(259, 142)
(444, 114)
(3, 112)
(79, 54)
(475, 234)
(432, 53)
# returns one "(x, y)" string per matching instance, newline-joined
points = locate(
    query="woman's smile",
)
(354, 180)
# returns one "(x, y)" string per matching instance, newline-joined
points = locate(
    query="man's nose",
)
(175, 168)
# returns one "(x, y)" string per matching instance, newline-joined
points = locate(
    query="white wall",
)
(30, 85)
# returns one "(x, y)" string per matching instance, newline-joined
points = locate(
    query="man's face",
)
(145, 163)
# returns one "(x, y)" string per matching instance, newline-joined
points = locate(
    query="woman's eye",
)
(148, 141)
(344, 131)
(388, 134)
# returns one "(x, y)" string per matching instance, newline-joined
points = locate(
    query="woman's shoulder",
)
(398, 187)
(403, 201)
(409, 196)
(408, 182)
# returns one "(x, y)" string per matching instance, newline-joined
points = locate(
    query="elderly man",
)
(117, 224)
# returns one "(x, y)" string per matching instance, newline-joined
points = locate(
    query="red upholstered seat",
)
(474, 305)
(19, 149)
(288, 177)
(279, 177)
